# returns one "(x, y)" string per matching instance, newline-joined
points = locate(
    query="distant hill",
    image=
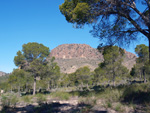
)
(2, 73)
(73, 56)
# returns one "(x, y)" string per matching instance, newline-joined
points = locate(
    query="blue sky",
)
(23, 21)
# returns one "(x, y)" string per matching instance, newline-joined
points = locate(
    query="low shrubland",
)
(111, 97)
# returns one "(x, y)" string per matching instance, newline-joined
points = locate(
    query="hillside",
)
(73, 56)
(2, 73)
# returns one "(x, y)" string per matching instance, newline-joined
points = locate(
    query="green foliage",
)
(76, 12)
(142, 52)
(40, 98)
(61, 95)
(4, 78)
(111, 95)
(99, 75)
(147, 68)
(9, 100)
(20, 76)
(19, 60)
(109, 105)
(17, 80)
(26, 99)
(33, 51)
(137, 93)
(33, 56)
(52, 74)
(4, 82)
(112, 65)
(113, 22)
(118, 107)
(81, 13)
(142, 67)
(83, 75)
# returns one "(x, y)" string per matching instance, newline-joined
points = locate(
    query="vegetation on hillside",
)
(110, 82)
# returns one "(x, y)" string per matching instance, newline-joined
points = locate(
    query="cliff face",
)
(73, 56)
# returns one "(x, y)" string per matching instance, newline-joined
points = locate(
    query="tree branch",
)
(145, 18)
(127, 16)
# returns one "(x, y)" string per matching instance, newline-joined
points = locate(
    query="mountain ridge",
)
(73, 56)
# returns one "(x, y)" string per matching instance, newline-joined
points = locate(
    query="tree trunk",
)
(82, 86)
(26, 88)
(48, 86)
(114, 80)
(11, 89)
(141, 76)
(34, 85)
(87, 86)
(144, 76)
(149, 48)
(18, 90)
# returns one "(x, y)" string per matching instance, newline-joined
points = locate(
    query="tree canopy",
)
(141, 68)
(33, 59)
(113, 57)
(113, 21)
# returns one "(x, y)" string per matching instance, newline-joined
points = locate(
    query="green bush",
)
(41, 98)
(118, 107)
(9, 100)
(137, 92)
(26, 99)
(110, 94)
(109, 105)
(61, 95)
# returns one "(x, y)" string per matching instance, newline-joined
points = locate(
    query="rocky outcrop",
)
(2, 73)
(69, 51)
(129, 60)
(73, 56)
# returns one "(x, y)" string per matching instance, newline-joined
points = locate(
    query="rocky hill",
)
(73, 56)
(2, 73)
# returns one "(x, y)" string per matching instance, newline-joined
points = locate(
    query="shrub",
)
(118, 107)
(138, 92)
(26, 99)
(110, 94)
(109, 105)
(61, 95)
(88, 101)
(40, 98)
(9, 100)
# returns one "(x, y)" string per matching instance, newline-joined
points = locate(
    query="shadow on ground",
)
(52, 108)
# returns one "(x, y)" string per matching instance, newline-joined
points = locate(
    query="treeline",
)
(37, 72)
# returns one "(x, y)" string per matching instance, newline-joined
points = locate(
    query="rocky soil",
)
(73, 105)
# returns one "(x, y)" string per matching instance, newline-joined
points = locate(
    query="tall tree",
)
(11, 81)
(141, 61)
(18, 78)
(83, 76)
(113, 57)
(114, 21)
(99, 74)
(53, 73)
(34, 57)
